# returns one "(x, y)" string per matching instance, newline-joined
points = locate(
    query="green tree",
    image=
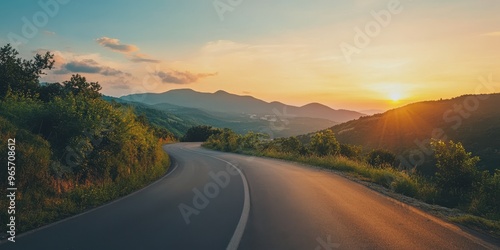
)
(350, 151)
(291, 145)
(381, 158)
(200, 133)
(324, 143)
(252, 140)
(78, 85)
(456, 170)
(19, 75)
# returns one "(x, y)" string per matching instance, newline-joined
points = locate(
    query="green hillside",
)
(178, 120)
(473, 120)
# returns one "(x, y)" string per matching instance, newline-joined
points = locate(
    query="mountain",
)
(473, 120)
(224, 102)
(372, 111)
(178, 120)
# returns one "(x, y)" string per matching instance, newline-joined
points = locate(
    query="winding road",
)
(215, 200)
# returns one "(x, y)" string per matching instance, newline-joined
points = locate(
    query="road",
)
(215, 200)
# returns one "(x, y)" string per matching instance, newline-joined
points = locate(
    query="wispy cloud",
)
(138, 57)
(88, 66)
(129, 49)
(179, 77)
(114, 44)
(49, 33)
(496, 33)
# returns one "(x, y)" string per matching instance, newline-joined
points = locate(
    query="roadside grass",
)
(479, 223)
(397, 181)
(83, 198)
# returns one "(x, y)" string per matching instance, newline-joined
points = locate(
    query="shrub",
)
(405, 185)
(324, 143)
(456, 171)
(381, 158)
(350, 151)
(200, 133)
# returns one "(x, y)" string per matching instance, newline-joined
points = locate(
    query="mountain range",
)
(227, 103)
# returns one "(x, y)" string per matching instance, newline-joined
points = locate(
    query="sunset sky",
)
(283, 50)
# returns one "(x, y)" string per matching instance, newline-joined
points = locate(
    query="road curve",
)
(214, 200)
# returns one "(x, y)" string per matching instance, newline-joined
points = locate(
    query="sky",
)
(349, 54)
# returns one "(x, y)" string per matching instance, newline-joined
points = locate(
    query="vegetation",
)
(457, 183)
(381, 158)
(73, 150)
(406, 131)
(200, 133)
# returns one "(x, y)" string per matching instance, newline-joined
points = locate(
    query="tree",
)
(291, 145)
(381, 158)
(350, 151)
(324, 143)
(19, 75)
(78, 85)
(252, 140)
(456, 170)
(200, 133)
(49, 91)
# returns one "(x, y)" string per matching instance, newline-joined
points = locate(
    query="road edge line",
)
(240, 228)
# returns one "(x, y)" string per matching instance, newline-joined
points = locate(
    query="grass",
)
(397, 181)
(479, 223)
(83, 198)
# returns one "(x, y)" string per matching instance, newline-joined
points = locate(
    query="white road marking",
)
(240, 228)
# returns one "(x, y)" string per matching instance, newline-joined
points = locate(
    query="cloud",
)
(48, 32)
(115, 45)
(128, 49)
(138, 57)
(179, 77)
(88, 66)
(496, 33)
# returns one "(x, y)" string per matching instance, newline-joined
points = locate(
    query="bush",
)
(381, 158)
(456, 171)
(350, 151)
(324, 143)
(200, 133)
(405, 185)
(487, 199)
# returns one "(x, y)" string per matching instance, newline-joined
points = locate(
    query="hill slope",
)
(224, 102)
(179, 119)
(473, 120)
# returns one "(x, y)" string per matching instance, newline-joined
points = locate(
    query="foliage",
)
(291, 145)
(381, 158)
(350, 151)
(487, 198)
(73, 149)
(21, 76)
(324, 143)
(456, 171)
(200, 133)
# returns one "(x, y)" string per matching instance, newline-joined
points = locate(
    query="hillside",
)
(179, 119)
(227, 103)
(472, 120)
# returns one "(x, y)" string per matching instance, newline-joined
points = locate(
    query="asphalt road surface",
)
(214, 200)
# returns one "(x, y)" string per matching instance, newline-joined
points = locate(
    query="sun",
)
(395, 96)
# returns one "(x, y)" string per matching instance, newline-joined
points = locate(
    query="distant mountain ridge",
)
(224, 102)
